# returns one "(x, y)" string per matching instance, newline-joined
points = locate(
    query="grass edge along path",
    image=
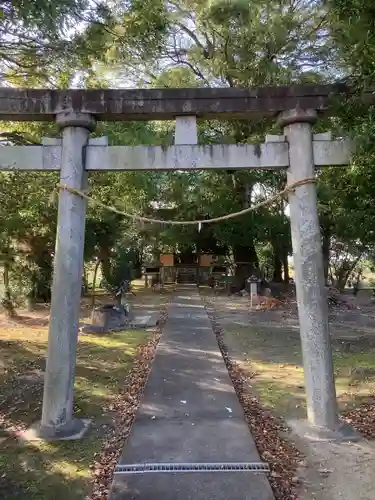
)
(266, 430)
(124, 409)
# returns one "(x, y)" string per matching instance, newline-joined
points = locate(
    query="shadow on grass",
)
(271, 356)
(31, 321)
(60, 470)
(46, 472)
(18, 356)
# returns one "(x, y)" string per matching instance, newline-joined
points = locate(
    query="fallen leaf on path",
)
(325, 471)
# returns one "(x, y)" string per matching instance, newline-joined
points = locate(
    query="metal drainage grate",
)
(193, 467)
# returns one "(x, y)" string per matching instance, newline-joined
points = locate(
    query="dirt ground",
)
(266, 345)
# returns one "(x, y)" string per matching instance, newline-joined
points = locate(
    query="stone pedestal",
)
(109, 317)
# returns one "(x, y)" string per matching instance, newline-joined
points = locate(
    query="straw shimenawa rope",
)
(140, 218)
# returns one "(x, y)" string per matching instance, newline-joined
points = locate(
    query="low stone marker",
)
(147, 320)
(108, 318)
(111, 318)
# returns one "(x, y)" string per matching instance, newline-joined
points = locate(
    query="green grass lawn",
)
(58, 470)
(271, 357)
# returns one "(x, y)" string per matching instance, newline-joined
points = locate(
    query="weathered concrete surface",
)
(308, 266)
(188, 157)
(30, 158)
(186, 131)
(57, 412)
(166, 104)
(189, 413)
(330, 153)
(271, 155)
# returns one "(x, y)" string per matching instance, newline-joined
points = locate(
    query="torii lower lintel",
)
(270, 155)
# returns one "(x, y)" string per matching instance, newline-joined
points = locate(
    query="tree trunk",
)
(277, 269)
(7, 301)
(286, 266)
(137, 264)
(247, 264)
(278, 255)
(342, 273)
(39, 254)
(85, 286)
(105, 260)
(94, 283)
(30, 303)
(341, 277)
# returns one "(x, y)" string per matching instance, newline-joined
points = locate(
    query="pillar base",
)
(343, 433)
(73, 430)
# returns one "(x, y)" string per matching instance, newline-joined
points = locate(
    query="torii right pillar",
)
(323, 422)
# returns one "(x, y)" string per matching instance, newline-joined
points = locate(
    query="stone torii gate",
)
(76, 111)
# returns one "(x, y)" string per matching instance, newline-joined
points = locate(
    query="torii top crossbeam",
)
(166, 104)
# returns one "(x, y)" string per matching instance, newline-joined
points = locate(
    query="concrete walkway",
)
(189, 413)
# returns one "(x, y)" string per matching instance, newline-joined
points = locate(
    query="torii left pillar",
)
(57, 412)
